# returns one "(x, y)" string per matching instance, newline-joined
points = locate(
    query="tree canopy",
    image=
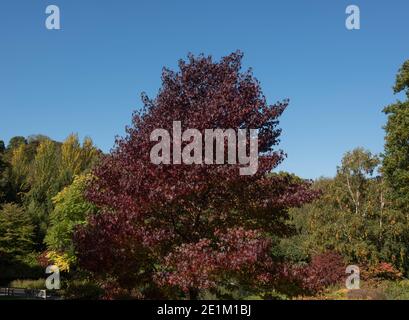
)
(396, 154)
(154, 217)
(16, 232)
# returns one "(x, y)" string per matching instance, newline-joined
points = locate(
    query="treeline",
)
(33, 171)
(355, 216)
(363, 212)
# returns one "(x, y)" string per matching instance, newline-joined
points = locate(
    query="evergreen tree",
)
(16, 232)
(396, 155)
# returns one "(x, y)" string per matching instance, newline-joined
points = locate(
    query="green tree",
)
(43, 181)
(70, 210)
(3, 168)
(18, 173)
(15, 142)
(352, 217)
(396, 154)
(75, 158)
(16, 231)
(13, 171)
(352, 180)
(34, 170)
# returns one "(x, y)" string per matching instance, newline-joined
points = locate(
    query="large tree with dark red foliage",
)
(191, 227)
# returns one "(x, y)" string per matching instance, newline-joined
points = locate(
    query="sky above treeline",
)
(87, 77)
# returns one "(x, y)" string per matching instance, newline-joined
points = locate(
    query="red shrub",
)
(382, 270)
(43, 260)
(324, 270)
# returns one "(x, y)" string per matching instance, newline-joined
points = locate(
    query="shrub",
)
(382, 271)
(82, 290)
(324, 270)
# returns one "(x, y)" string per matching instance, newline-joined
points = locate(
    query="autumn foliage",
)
(190, 227)
(324, 270)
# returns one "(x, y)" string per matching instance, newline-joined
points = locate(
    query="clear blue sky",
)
(87, 77)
